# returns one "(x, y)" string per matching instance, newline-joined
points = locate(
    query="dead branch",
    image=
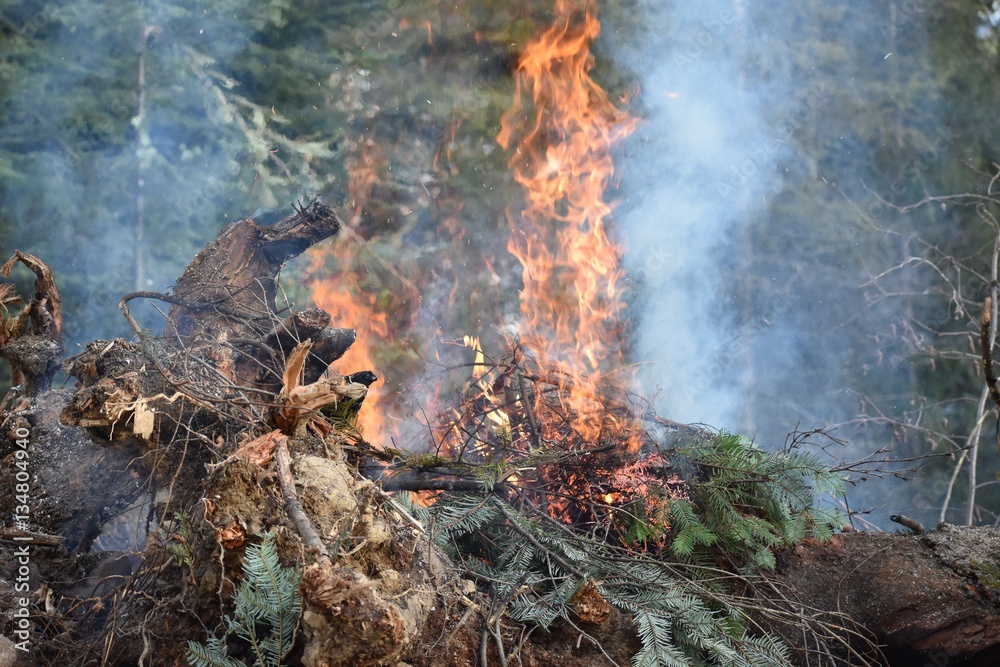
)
(32, 342)
(986, 347)
(987, 352)
(430, 482)
(300, 399)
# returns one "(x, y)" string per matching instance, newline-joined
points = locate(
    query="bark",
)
(228, 292)
(930, 599)
(329, 343)
(231, 285)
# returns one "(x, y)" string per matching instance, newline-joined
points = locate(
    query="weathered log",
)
(225, 349)
(929, 599)
(234, 279)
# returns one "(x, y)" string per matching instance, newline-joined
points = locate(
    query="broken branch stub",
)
(329, 343)
(300, 400)
(234, 279)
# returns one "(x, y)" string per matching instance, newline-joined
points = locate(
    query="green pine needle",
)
(268, 598)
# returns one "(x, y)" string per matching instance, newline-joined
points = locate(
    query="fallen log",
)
(928, 599)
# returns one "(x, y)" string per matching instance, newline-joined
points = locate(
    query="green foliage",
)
(181, 549)
(744, 503)
(267, 610)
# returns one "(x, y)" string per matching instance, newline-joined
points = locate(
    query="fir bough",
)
(742, 503)
(746, 501)
(267, 611)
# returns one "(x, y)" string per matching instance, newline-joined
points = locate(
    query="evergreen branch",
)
(268, 596)
(743, 503)
(515, 526)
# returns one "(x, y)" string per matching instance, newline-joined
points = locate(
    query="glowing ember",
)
(570, 303)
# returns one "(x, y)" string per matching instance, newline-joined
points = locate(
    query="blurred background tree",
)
(888, 110)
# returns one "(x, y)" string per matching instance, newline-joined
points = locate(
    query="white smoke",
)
(701, 164)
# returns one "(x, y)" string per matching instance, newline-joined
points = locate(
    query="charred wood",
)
(423, 482)
(329, 343)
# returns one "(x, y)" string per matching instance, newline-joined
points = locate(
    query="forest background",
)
(780, 273)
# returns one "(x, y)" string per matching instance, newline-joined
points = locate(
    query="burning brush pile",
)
(243, 436)
(549, 486)
(516, 435)
(673, 525)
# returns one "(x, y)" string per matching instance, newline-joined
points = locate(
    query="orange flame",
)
(352, 308)
(341, 296)
(570, 302)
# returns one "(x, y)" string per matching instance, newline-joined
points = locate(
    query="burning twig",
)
(536, 431)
